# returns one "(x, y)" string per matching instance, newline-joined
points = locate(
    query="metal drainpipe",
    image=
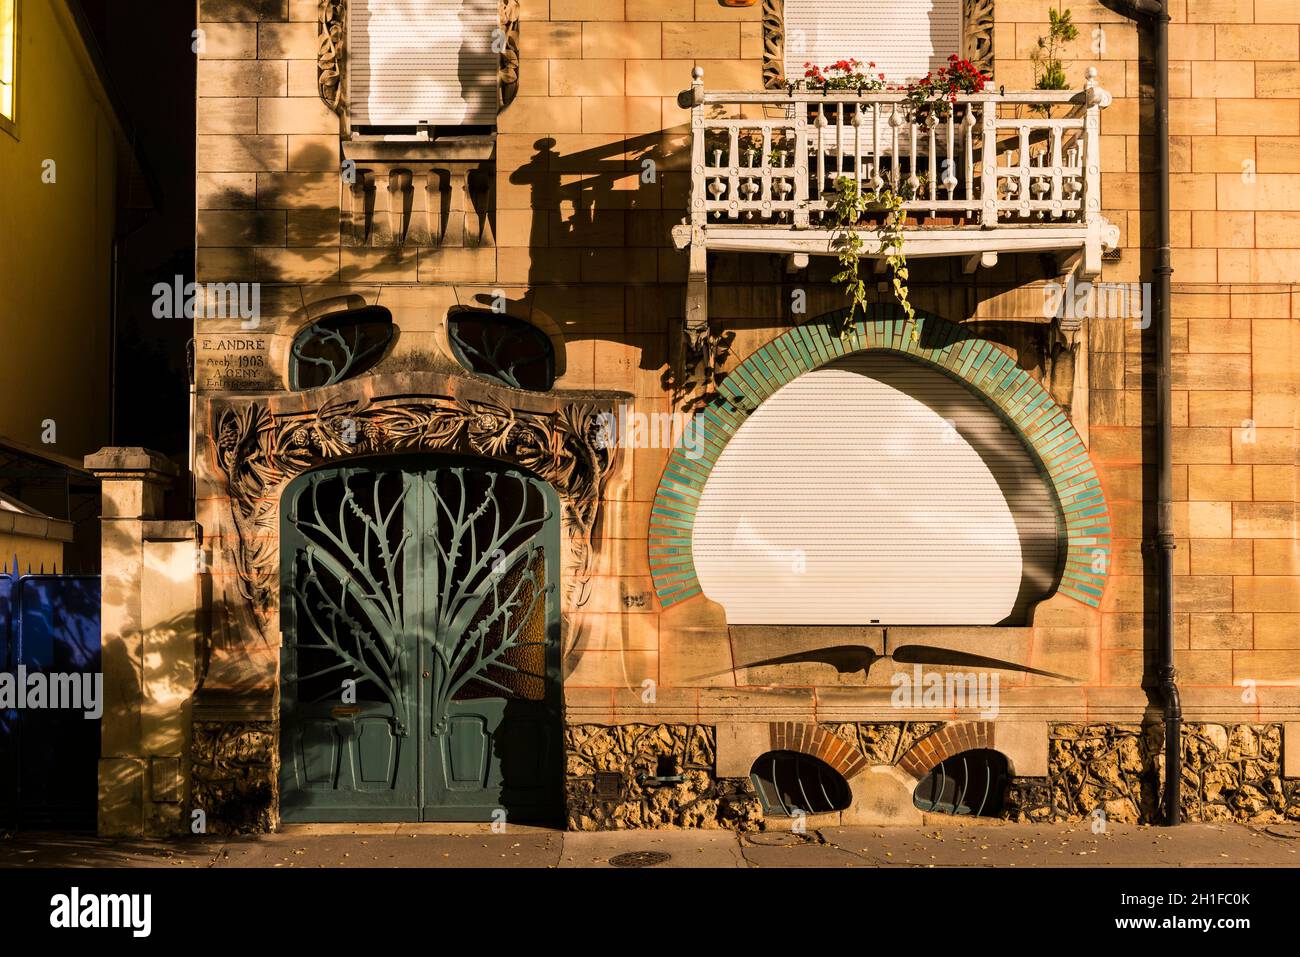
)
(1154, 14)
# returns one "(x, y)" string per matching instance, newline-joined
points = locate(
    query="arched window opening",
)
(973, 783)
(790, 782)
(877, 490)
(339, 346)
(504, 349)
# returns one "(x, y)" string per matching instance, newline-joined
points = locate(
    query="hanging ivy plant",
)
(927, 102)
(853, 205)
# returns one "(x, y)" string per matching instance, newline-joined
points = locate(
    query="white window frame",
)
(9, 124)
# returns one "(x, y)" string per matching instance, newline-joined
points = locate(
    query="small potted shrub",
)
(1049, 68)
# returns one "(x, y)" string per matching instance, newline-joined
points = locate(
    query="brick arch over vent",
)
(949, 740)
(978, 363)
(820, 743)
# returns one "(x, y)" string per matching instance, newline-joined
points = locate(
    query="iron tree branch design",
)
(258, 451)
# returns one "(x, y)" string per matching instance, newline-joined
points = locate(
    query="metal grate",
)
(339, 346)
(608, 785)
(639, 859)
(502, 348)
(940, 513)
(972, 783)
(904, 38)
(423, 61)
(789, 782)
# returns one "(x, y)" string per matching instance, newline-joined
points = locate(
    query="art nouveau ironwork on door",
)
(419, 668)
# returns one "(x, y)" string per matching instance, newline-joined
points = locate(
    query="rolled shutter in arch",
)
(905, 38)
(979, 363)
(422, 61)
(875, 489)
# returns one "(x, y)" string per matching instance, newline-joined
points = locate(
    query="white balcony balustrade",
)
(1001, 172)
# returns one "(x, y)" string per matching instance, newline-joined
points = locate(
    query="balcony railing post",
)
(1096, 99)
(699, 182)
(801, 166)
(988, 165)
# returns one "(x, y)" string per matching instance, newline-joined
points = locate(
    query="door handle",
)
(426, 674)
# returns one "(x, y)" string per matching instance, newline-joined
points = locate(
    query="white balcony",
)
(1002, 173)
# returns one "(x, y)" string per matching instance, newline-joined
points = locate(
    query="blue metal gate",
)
(49, 757)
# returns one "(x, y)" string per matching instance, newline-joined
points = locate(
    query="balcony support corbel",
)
(1065, 344)
(692, 348)
(1061, 364)
(988, 259)
(696, 323)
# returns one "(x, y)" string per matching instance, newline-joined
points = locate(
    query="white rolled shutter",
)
(876, 490)
(422, 61)
(905, 38)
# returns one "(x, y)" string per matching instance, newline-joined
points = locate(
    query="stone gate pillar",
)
(148, 625)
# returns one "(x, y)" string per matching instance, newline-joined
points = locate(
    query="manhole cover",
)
(781, 838)
(1290, 831)
(639, 859)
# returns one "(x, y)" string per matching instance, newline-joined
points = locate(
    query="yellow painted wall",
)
(56, 242)
(32, 553)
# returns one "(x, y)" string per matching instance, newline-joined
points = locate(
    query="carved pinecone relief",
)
(259, 451)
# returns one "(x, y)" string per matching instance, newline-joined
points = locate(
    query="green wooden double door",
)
(420, 671)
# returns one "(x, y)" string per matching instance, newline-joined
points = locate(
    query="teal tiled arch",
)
(979, 363)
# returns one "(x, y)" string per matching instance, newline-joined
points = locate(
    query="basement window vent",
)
(608, 786)
(339, 346)
(788, 782)
(504, 349)
(973, 783)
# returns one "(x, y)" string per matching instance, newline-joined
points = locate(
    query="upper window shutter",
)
(904, 38)
(422, 61)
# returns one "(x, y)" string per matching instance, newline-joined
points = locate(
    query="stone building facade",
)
(655, 702)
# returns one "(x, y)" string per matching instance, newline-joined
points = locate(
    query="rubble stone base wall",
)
(234, 776)
(609, 786)
(1231, 772)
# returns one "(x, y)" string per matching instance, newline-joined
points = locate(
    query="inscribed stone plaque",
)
(234, 362)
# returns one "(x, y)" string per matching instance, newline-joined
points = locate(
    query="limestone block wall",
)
(590, 167)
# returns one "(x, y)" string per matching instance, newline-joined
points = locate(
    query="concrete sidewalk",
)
(462, 845)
